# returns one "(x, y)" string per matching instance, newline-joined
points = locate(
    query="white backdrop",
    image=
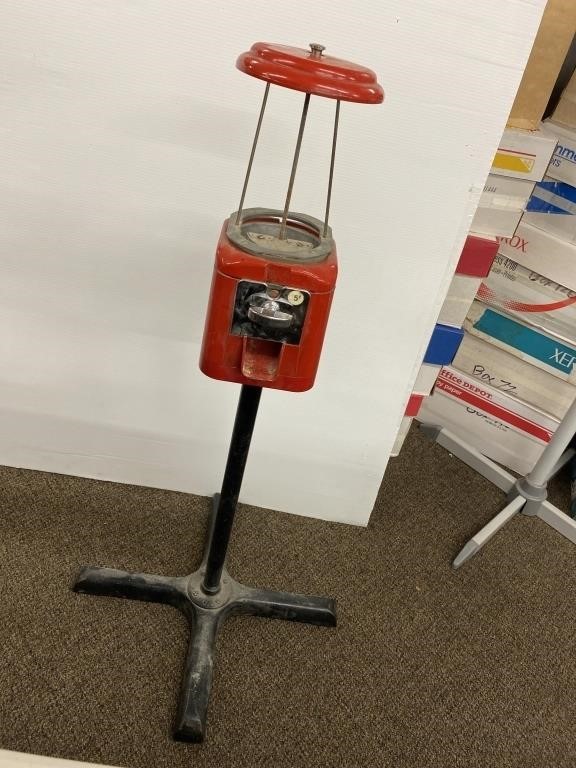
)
(124, 137)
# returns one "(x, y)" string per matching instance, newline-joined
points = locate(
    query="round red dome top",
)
(311, 71)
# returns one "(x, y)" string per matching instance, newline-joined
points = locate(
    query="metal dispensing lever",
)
(270, 313)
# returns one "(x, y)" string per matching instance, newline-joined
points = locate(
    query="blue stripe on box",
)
(541, 206)
(552, 197)
(443, 345)
(528, 341)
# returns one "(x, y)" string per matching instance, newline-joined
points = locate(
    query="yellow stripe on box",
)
(509, 162)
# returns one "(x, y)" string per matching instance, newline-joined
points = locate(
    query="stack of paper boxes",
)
(513, 376)
(506, 379)
(521, 161)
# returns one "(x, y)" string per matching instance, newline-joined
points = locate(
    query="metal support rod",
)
(233, 474)
(252, 153)
(331, 175)
(544, 467)
(282, 234)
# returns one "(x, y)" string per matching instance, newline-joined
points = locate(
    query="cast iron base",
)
(205, 613)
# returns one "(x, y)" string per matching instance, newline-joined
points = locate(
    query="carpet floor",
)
(427, 668)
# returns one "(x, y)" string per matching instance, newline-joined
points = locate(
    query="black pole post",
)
(233, 474)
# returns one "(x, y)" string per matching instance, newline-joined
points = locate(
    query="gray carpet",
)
(428, 667)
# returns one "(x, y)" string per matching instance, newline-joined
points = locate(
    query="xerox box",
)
(492, 366)
(543, 350)
(543, 252)
(535, 299)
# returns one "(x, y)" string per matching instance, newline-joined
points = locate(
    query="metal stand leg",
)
(209, 595)
(485, 534)
(526, 495)
(558, 520)
(469, 455)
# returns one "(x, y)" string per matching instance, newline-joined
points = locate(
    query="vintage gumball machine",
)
(272, 287)
(275, 270)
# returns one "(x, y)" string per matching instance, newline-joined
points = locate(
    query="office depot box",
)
(506, 192)
(518, 414)
(541, 349)
(523, 154)
(461, 294)
(563, 163)
(477, 255)
(552, 208)
(405, 425)
(496, 220)
(443, 345)
(502, 428)
(546, 59)
(490, 365)
(426, 379)
(542, 252)
(535, 299)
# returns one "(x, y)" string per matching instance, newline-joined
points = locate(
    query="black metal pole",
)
(233, 474)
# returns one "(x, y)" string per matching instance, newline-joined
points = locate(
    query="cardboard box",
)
(542, 252)
(490, 365)
(565, 112)
(405, 425)
(535, 299)
(524, 154)
(531, 344)
(505, 192)
(552, 41)
(563, 163)
(477, 255)
(443, 345)
(496, 220)
(426, 379)
(495, 424)
(461, 294)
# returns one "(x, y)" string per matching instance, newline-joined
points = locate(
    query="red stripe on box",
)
(414, 405)
(477, 256)
(507, 416)
(488, 295)
(515, 152)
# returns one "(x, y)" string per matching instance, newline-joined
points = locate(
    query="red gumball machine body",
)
(268, 311)
(275, 271)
